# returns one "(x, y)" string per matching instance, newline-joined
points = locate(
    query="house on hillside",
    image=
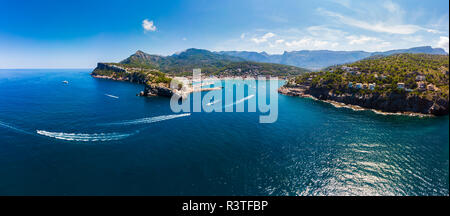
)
(421, 86)
(420, 78)
(401, 85)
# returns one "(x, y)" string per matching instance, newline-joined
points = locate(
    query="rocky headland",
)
(155, 83)
(385, 104)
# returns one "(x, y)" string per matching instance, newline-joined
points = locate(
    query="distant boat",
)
(65, 82)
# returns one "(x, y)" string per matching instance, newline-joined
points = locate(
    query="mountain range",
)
(211, 63)
(318, 59)
(243, 63)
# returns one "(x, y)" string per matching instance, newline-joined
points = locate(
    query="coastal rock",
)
(114, 72)
(110, 67)
(157, 90)
(392, 103)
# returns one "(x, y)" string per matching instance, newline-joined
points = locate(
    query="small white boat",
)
(65, 82)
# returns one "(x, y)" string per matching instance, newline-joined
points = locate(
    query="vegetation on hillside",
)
(211, 63)
(136, 73)
(420, 74)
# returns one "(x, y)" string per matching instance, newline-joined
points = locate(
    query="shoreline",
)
(297, 93)
(355, 108)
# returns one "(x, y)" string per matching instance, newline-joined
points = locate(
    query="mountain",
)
(211, 64)
(141, 58)
(318, 59)
(423, 49)
(157, 73)
(250, 56)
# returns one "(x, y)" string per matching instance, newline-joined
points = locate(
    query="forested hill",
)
(403, 82)
(211, 64)
(387, 72)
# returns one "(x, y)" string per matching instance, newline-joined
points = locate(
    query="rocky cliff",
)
(156, 83)
(391, 103)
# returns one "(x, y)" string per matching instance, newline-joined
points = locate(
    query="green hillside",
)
(211, 63)
(420, 74)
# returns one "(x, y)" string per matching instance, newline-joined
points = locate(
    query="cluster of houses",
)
(421, 84)
(351, 70)
(370, 86)
(420, 79)
(251, 72)
(355, 71)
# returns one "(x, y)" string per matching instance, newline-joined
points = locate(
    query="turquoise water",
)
(96, 137)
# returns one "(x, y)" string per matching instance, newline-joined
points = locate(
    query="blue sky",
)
(78, 34)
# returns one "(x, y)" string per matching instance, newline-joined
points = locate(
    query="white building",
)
(420, 78)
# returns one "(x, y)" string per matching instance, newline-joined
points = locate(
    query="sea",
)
(96, 137)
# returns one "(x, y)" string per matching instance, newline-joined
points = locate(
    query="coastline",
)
(282, 90)
(160, 90)
(336, 104)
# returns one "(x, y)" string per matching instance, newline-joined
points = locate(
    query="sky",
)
(78, 34)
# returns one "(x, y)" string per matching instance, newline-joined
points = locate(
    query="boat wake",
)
(241, 100)
(84, 137)
(150, 120)
(212, 103)
(2, 124)
(112, 96)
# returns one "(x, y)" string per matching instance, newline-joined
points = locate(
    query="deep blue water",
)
(313, 148)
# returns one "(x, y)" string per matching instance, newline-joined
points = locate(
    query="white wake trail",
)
(82, 137)
(212, 103)
(2, 124)
(112, 96)
(150, 120)
(241, 100)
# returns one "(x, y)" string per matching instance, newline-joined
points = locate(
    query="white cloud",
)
(345, 3)
(325, 32)
(148, 25)
(433, 31)
(279, 41)
(378, 26)
(242, 35)
(184, 39)
(392, 7)
(414, 39)
(361, 39)
(383, 46)
(335, 44)
(264, 38)
(443, 43)
(309, 43)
